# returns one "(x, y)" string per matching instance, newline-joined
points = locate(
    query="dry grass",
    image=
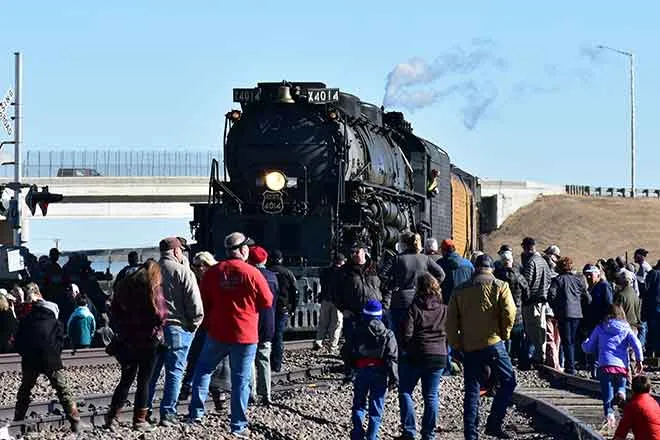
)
(584, 228)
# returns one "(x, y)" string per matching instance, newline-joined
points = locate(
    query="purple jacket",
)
(611, 340)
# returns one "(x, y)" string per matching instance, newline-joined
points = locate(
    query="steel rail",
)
(571, 402)
(11, 362)
(93, 407)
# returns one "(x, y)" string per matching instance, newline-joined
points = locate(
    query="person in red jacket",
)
(233, 293)
(641, 414)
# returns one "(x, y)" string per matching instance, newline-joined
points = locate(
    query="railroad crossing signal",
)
(5, 103)
(43, 199)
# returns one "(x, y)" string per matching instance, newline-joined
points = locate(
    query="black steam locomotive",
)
(310, 170)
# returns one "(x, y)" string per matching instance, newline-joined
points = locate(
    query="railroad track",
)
(45, 415)
(572, 403)
(97, 356)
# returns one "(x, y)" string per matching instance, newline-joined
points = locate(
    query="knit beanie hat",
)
(373, 309)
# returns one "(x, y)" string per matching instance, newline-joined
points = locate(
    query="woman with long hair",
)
(424, 355)
(138, 316)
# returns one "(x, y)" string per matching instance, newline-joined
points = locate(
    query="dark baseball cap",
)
(504, 248)
(169, 243)
(484, 261)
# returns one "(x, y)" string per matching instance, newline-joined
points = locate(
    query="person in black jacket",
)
(359, 283)
(402, 275)
(287, 300)
(7, 322)
(537, 272)
(566, 294)
(261, 372)
(39, 341)
(133, 264)
(507, 271)
(424, 356)
(373, 353)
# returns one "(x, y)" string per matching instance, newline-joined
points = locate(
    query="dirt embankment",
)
(584, 228)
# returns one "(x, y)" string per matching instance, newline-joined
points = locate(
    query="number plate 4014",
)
(322, 96)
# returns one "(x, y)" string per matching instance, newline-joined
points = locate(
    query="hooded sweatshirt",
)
(81, 327)
(374, 345)
(424, 337)
(611, 340)
(40, 338)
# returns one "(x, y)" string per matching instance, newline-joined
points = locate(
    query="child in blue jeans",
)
(374, 356)
(611, 339)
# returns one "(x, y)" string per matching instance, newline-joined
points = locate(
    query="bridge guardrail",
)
(114, 163)
(603, 191)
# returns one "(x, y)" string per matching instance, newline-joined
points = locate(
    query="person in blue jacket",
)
(458, 270)
(81, 325)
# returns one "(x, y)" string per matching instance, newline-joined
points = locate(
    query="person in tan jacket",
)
(480, 318)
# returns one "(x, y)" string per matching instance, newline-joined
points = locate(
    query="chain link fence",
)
(114, 163)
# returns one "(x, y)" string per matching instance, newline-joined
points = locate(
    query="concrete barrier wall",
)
(509, 196)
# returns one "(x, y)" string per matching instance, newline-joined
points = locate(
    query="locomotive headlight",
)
(275, 181)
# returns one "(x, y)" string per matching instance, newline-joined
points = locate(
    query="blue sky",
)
(159, 74)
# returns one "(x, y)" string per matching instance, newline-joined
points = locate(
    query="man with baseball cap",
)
(480, 318)
(233, 292)
(185, 315)
(538, 275)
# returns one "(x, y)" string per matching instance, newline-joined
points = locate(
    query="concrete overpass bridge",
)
(121, 197)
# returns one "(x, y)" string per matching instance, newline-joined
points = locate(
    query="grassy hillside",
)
(584, 228)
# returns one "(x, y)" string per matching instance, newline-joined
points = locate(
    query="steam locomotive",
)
(310, 170)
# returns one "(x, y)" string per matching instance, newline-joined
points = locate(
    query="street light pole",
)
(631, 56)
(632, 125)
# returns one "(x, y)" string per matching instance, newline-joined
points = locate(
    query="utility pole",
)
(632, 125)
(18, 125)
(631, 56)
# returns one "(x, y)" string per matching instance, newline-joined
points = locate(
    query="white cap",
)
(75, 289)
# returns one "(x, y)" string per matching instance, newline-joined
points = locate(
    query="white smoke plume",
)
(418, 83)
(473, 76)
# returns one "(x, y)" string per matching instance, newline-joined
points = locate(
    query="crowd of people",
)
(74, 287)
(486, 315)
(216, 327)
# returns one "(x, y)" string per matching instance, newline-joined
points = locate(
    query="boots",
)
(112, 417)
(140, 422)
(74, 417)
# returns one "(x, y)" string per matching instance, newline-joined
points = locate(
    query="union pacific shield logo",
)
(272, 202)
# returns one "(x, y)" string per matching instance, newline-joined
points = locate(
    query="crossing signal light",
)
(43, 199)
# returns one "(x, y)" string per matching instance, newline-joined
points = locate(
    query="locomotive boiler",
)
(310, 170)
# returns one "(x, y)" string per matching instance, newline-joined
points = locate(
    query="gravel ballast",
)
(306, 413)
